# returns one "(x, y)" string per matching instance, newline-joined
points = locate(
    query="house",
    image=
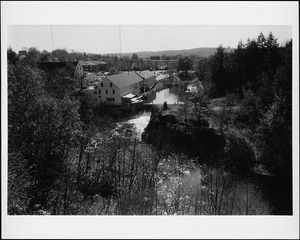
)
(94, 66)
(85, 70)
(51, 66)
(163, 77)
(93, 93)
(161, 66)
(155, 58)
(171, 64)
(116, 87)
(91, 77)
(149, 79)
(91, 83)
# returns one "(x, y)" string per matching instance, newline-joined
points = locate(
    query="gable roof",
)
(146, 74)
(162, 76)
(125, 79)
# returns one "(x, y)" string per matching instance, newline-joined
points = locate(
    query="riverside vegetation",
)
(195, 158)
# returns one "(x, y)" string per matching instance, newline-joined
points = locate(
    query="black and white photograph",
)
(130, 121)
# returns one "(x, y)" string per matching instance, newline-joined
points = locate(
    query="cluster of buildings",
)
(93, 80)
(118, 89)
(161, 64)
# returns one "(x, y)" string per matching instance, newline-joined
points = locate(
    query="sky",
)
(135, 38)
(145, 26)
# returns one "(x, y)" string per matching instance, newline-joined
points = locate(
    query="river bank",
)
(225, 159)
(217, 148)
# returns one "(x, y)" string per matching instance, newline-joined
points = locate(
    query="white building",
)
(115, 89)
(148, 77)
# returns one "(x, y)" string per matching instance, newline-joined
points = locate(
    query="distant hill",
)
(203, 52)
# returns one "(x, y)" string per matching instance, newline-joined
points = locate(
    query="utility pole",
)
(120, 48)
(120, 41)
(52, 38)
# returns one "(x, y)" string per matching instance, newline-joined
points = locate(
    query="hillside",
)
(203, 52)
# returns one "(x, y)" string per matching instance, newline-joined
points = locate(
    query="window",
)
(106, 91)
(110, 84)
(113, 91)
(102, 84)
(110, 99)
(99, 91)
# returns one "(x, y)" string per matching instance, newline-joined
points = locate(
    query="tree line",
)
(255, 80)
(248, 99)
(114, 61)
(256, 77)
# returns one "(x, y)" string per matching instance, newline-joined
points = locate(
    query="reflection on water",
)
(141, 119)
(166, 96)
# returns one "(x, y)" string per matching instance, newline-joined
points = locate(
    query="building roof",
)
(89, 88)
(136, 100)
(130, 95)
(48, 66)
(161, 61)
(162, 76)
(89, 73)
(146, 74)
(125, 79)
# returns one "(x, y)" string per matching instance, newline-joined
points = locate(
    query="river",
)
(247, 188)
(141, 118)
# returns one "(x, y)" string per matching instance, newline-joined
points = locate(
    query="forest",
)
(66, 159)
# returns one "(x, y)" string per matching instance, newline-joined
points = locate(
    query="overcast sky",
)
(145, 26)
(134, 38)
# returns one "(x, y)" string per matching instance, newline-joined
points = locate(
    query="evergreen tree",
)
(218, 71)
